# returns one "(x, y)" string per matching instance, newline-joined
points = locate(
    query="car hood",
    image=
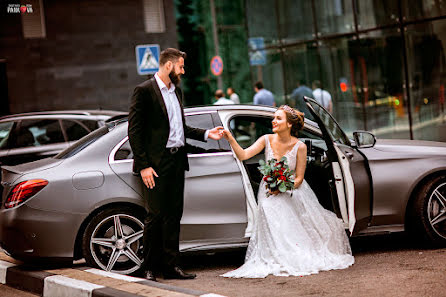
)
(34, 166)
(411, 147)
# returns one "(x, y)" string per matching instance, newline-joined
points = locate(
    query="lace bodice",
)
(291, 155)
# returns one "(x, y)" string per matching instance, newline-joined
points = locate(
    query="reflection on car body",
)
(91, 206)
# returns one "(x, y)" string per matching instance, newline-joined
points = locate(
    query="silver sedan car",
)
(86, 203)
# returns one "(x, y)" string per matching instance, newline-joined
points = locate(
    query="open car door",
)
(350, 170)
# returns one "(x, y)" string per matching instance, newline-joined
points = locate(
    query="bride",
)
(293, 234)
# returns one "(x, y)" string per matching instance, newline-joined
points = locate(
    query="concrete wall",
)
(87, 59)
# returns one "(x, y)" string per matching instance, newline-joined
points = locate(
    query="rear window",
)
(82, 143)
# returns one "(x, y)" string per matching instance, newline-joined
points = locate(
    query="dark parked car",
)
(31, 136)
(85, 202)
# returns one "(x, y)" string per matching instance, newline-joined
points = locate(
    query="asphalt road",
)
(6, 291)
(391, 265)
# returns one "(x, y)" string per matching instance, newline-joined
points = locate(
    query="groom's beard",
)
(174, 77)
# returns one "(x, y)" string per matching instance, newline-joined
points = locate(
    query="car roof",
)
(213, 108)
(93, 112)
(230, 107)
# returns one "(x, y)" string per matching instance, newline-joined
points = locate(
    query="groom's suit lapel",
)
(179, 94)
(159, 97)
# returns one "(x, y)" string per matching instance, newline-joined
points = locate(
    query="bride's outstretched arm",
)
(244, 154)
(301, 164)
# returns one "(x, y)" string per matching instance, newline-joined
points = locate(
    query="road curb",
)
(54, 284)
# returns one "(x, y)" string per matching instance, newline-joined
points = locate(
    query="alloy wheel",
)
(116, 243)
(436, 210)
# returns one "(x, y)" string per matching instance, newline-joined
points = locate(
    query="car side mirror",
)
(364, 139)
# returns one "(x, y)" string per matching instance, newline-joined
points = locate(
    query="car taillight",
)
(23, 191)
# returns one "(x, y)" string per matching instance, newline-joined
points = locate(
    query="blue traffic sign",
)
(147, 58)
(257, 54)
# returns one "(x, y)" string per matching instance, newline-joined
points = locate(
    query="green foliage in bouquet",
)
(277, 175)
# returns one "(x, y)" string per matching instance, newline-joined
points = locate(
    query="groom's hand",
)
(147, 177)
(215, 133)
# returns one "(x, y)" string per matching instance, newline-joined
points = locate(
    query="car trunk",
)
(10, 174)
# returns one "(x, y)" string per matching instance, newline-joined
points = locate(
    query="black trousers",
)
(164, 206)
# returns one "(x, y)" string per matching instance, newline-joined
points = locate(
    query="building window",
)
(33, 20)
(261, 19)
(295, 20)
(154, 16)
(376, 13)
(427, 79)
(334, 16)
(421, 9)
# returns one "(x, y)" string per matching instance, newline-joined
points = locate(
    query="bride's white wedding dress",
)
(293, 235)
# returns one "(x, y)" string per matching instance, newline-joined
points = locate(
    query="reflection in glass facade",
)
(427, 70)
(383, 62)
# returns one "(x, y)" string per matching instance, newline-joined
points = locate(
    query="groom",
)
(157, 133)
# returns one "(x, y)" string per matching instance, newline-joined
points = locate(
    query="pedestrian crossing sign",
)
(257, 53)
(147, 58)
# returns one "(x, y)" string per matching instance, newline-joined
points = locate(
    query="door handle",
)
(349, 155)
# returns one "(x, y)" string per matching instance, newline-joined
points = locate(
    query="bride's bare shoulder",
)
(295, 140)
(302, 147)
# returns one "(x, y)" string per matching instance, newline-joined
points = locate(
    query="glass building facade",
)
(382, 61)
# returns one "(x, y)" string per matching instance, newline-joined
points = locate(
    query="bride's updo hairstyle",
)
(295, 118)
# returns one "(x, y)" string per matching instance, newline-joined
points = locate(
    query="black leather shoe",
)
(150, 275)
(178, 273)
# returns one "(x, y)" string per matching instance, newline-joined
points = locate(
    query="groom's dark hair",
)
(171, 54)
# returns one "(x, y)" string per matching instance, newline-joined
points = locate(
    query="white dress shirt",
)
(234, 97)
(223, 101)
(176, 133)
(322, 97)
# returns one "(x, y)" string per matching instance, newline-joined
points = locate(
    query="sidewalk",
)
(84, 281)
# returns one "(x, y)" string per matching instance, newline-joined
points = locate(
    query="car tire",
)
(113, 239)
(428, 219)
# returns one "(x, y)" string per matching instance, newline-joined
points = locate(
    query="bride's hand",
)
(225, 133)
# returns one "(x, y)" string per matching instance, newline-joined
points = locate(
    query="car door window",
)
(202, 121)
(5, 131)
(74, 130)
(330, 124)
(37, 133)
(247, 129)
(124, 152)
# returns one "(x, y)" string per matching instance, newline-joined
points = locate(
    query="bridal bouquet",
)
(277, 175)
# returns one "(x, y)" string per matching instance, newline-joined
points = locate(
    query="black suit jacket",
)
(149, 126)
